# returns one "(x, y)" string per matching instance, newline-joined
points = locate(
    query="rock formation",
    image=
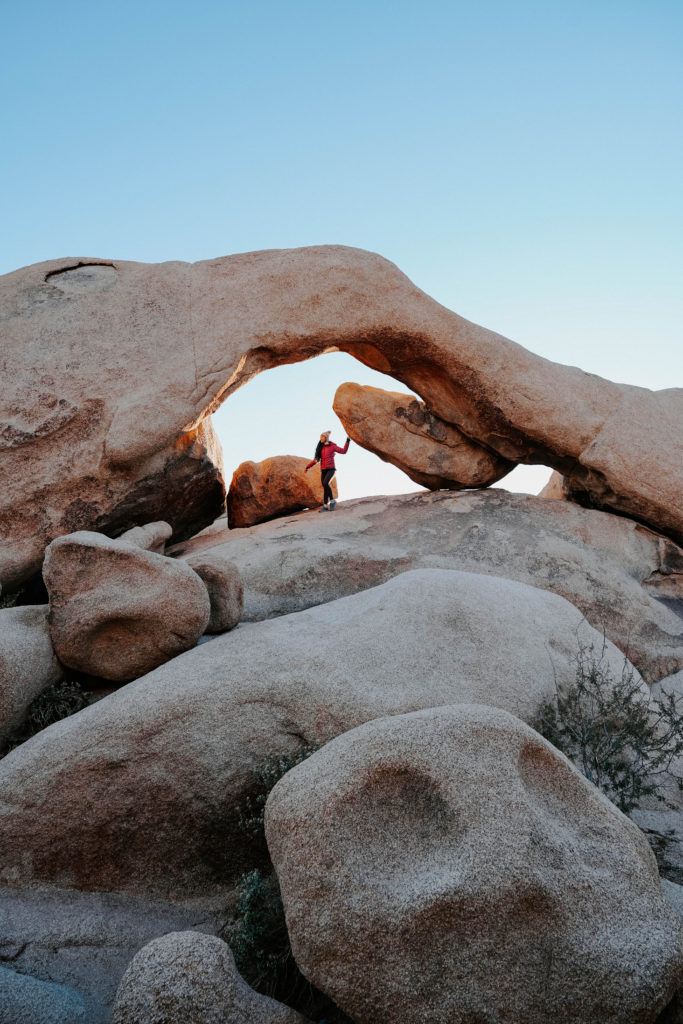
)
(450, 865)
(117, 610)
(275, 487)
(150, 537)
(86, 940)
(624, 578)
(402, 431)
(225, 588)
(28, 664)
(27, 1000)
(189, 978)
(162, 767)
(554, 490)
(122, 439)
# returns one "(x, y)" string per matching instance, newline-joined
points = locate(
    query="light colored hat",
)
(325, 435)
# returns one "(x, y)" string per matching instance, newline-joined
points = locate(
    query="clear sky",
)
(521, 161)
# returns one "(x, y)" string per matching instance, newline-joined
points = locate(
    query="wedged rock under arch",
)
(110, 369)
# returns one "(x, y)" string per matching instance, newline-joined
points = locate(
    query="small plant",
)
(621, 739)
(250, 815)
(258, 938)
(59, 701)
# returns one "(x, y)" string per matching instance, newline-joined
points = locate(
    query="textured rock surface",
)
(85, 941)
(450, 865)
(158, 346)
(275, 487)
(554, 489)
(187, 978)
(142, 790)
(26, 1000)
(224, 585)
(150, 537)
(117, 611)
(401, 430)
(28, 664)
(623, 578)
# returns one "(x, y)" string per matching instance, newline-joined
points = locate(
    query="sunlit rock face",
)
(451, 865)
(109, 368)
(402, 431)
(279, 486)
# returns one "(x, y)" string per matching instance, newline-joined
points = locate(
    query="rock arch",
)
(109, 376)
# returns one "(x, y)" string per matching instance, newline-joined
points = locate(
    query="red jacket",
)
(327, 455)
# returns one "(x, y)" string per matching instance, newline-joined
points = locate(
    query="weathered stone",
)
(451, 865)
(116, 610)
(150, 537)
(188, 978)
(84, 940)
(624, 578)
(142, 791)
(554, 490)
(28, 664)
(26, 1000)
(402, 431)
(224, 585)
(157, 347)
(275, 487)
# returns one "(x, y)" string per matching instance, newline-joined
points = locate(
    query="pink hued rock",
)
(110, 369)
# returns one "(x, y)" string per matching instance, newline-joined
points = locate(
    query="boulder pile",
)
(318, 738)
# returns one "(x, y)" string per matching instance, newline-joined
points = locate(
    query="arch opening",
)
(283, 410)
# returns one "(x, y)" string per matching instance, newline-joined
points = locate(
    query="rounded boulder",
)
(451, 865)
(191, 978)
(118, 611)
(226, 591)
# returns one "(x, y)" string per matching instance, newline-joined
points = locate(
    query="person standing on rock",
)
(324, 454)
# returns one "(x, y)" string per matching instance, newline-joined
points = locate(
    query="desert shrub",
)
(250, 815)
(56, 702)
(258, 937)
(622, 740)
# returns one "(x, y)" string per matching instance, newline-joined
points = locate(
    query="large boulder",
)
(625, 579)
(402, 431)
(451, 865)
(110, 370)
(143, 790)
(117, 610)
(275, 487)
(188, 978)
(28, 664)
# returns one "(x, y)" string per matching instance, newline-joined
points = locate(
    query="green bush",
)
(624, 741)
(258, 938)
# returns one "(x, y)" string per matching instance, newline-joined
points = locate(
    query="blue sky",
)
(522, 162)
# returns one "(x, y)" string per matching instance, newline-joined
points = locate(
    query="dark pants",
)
(326, 476)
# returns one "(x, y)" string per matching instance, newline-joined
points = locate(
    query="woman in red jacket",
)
(324, 454)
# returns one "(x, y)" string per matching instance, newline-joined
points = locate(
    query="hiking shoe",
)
(332, 504)
(324, 509)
